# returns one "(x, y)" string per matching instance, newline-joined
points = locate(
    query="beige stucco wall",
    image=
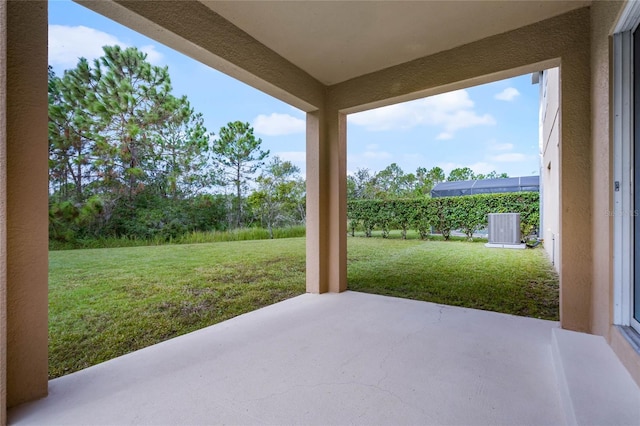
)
(603, 19)
(550, 162)
(26, 201)
(604, 16)
(3, 214)
(627, 355)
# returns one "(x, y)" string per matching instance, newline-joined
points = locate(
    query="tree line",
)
(393, 182)
(129, 158)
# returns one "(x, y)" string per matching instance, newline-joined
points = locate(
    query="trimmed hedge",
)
(467, 213)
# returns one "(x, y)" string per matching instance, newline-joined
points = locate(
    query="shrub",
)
(467, 213)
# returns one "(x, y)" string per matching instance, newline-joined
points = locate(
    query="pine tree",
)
(238, 151)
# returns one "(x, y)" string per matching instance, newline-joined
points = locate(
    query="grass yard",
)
(107, 302)
(519, 282)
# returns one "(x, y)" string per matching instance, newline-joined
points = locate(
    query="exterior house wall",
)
(603, 20)
(550, 162)
(604, 17)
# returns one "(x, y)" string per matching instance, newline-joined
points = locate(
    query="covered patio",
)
(345, 357)
(370, 360)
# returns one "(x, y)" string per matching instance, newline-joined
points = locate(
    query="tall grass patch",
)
(196, 237)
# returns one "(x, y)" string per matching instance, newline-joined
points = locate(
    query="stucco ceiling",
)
(337, 41)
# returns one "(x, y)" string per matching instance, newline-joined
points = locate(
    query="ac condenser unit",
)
(504, 228)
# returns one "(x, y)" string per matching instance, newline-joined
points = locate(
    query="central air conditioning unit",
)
(504, 228)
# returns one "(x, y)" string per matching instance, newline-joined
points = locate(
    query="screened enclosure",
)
(487, 186)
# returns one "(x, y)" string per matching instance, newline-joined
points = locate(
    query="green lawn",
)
(107, 302)
(519, 282)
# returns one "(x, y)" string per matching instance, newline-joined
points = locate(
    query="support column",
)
(575, 248)
(326, 202)
(3, 214)
(24, 201)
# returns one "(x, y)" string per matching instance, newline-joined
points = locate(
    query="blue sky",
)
(489, 127)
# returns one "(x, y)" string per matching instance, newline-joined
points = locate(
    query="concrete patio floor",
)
(349, 358)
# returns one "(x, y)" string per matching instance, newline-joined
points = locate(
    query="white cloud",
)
(298, 158)
(153, 56)
(464, 118)
(293, 156)
(495, 146)
(67, 44)
(372, 158)
(278, 124)
(508, 94)
(385, 118)
(377, 155)
(511, 157)
(450, 111)
(373, 152)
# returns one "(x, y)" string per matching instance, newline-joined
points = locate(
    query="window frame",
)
(624, 210)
